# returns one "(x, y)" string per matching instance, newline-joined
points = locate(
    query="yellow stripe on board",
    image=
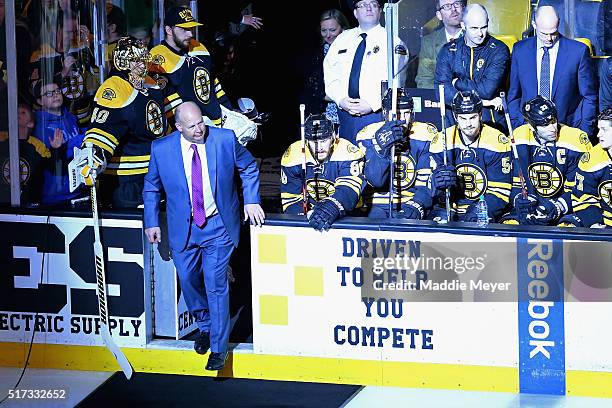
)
(588, 384)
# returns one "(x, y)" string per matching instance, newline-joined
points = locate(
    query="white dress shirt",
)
(552, 53)
(339, 60)
(450, 37)
(187, 152)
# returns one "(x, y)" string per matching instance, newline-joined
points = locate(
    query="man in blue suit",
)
(195, 166)
(557, 68)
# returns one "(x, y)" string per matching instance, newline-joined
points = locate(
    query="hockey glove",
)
(524, 206)
(443, 177)
(571, 221)
(411, 211)
(81, 171)
(471, 215)
(547, 213)
(324, 213)
(389, 134)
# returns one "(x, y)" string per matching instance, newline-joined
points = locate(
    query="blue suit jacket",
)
(224, 156)
(574, 88)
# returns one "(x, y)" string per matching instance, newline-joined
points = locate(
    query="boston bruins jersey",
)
(191, 75)
(549, 169)
(340, 177)
(592, 193)
(33, 157)
(124, 123)
(411, 172)
(483, 167)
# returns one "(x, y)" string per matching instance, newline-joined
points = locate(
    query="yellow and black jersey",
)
(33, 158)
(124, 123)
(411, 172)
(592, 192)
(190, 73)
(340, 177)
(483, 167)
(550, 168)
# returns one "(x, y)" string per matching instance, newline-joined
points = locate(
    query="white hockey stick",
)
(125, 365)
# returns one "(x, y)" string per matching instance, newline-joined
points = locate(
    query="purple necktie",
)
(197, 195)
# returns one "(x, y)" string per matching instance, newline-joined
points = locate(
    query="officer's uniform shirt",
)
(483, 167)
(340, 177)
(190, 73)
(549, 169)
(124, 123)
(411, 171)
(592, 193)
(339, 60)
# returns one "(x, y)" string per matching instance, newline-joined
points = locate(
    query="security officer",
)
(475, 62)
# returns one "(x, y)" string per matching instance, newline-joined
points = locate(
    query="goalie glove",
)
(388, 134)
(244, 128)
(324, 213)
(86, 165)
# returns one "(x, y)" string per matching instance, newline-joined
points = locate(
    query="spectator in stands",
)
(334, 174)
(57, 128)
(354, 67)
(33, 155)
(331, 24)
(475, 62)
(563, 73)
(116, 27)
(450, 13)
(605, 86)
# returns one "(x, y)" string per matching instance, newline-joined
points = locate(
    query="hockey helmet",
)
(318, 127)
(466, 102)
(404, 101)
(128, 50)
(539, 111)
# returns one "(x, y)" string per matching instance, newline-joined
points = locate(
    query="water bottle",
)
(482, 212)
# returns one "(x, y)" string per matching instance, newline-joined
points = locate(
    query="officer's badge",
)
(584, 139)
(109, 94)
(503, 139)
(376, 49)
(480, 63)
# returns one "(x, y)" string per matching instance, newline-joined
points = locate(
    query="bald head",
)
(546, 25)
(476, 24)
(189, 122)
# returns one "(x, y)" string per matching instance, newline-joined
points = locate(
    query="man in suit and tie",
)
(557, 68)
(449, 12)
(195, 166)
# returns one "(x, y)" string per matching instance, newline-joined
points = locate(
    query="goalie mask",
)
(131, 55)
(541, 114)
(320, 136)
(405, 105)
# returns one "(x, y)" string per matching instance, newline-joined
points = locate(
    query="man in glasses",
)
(475, 62)
(449, 12)
(354, 67)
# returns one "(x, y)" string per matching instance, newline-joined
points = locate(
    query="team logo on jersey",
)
(480, 63)
(405, 172)
(503, 139)
(73, 86)
(472, 179)
(605, 192)
(201, 84)
(584, 139)
(546, 179)
(155, 119)
(319, 189)
(24, 171)
(109, 94)
(585, 157)
(158, 59)
(161, 81)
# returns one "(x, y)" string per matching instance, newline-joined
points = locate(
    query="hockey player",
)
(411, 197)
(185, 63)
(127, 117)
(334, 174)
(549, 154)
(478, 163)
(592, 192)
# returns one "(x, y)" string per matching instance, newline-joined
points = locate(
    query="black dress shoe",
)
(216, 361)
(202, 343)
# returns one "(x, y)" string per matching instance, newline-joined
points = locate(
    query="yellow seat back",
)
(507, 17)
